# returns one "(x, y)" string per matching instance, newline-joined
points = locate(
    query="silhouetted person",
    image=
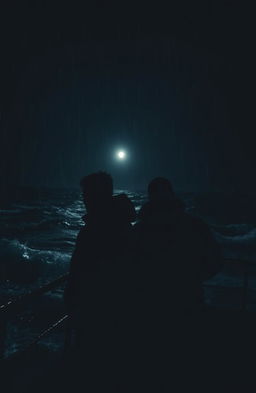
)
(177, 251)
(96, 290)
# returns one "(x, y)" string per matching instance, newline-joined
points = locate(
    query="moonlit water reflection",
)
(37, 240)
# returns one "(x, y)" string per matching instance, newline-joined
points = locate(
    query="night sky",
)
(172, 86)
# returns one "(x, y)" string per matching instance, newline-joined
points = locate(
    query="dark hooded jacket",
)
(99, 263)
(176, 252)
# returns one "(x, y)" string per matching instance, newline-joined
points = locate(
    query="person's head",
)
(97, 189)
(160, 189)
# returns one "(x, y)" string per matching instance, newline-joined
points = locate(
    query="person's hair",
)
(159, 187)
(100, 183)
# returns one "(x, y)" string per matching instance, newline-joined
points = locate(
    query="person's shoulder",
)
(123, 208)
(145, 211)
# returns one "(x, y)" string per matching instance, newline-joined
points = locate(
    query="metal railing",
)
(15, 306)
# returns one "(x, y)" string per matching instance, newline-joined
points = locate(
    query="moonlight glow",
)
(121, 155)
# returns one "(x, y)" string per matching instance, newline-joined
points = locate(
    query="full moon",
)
(121, 155)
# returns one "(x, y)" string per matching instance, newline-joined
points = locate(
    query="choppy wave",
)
(45, 228)
(239, 243)
(37, 239)
(26, 266)
(241, 237)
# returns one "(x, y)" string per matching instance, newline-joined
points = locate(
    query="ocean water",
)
(37, 237)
